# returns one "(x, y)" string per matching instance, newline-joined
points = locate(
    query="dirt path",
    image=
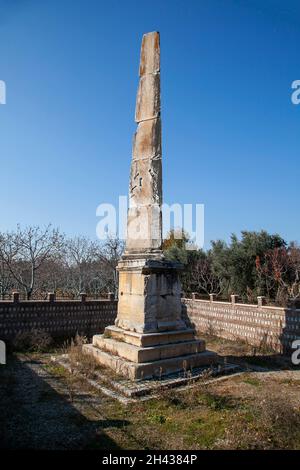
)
(38, 410)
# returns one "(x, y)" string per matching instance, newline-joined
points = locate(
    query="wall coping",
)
(87, 301)
(56, 301)
(268, 307)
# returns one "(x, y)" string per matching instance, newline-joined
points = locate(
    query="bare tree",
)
(91, 266)
(204, 277)
(109, 255)
(280, 270)
(6, 280)
(25, 251)
(294, 272)
(80, 256)
(52, 277)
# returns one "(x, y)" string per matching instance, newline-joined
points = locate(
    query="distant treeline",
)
(256, 264)
(37, 260)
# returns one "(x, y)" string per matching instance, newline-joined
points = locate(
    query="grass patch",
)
(217, 402)
(252, 381)
(55, 369)
(205, 431)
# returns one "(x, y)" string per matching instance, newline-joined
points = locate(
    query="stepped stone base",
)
(149, 339)
(153, 369)
(149, 355)
(134, 353)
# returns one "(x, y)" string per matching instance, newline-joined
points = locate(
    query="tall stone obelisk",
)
(150, 337)
(144, 223)
(147, 303)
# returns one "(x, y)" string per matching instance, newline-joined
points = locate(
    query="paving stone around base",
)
(148, 387)
(126, 390)
(158, 368)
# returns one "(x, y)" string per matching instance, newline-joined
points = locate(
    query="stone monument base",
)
(150, 338)
(149, 355)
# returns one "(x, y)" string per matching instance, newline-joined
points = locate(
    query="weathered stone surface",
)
(145, 370)
(144, 221)
(150, 54)
(147, 140)
(145, 183)
(148, 98)
(149, 298)
(149, 339)
(151, 353)
(144, 228)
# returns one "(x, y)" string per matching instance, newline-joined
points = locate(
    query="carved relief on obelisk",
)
(144, 223)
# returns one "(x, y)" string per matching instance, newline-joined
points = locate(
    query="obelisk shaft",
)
(144, 224)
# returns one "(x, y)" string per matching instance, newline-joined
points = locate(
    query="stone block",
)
(134, 370)
(261, 301)
(149, 297)
(150, 54)
(148, 98)
(51, 297)
(149, 339)
(151, 353)
(16, 297)
(145, 184)
(144, 228)
(147, 139)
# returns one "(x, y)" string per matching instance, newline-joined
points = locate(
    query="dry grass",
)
(248, 414)
(81, 364)
(249, 411)
(206, 418)
(35, 340)
(268, 422)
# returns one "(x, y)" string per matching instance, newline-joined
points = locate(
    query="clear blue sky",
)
(230, 132)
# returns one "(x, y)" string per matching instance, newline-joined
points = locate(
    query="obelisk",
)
(150, 337)
(147, 303)
(144, 223)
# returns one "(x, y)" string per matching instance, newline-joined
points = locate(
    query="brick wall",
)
(258, 325)
(58, 318)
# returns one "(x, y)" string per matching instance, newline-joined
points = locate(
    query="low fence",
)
(260, 325)
(61, 319)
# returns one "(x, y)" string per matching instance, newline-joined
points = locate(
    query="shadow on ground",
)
(36, 412)
(238, 352)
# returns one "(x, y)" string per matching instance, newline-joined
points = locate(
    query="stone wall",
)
(259, 325)
(61, 319)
